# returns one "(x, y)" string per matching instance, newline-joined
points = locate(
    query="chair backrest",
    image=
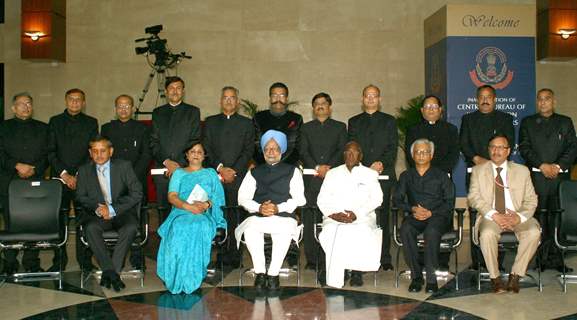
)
(568, 201)
(34, 206)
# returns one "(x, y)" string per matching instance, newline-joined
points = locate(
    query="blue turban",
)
(279, 138)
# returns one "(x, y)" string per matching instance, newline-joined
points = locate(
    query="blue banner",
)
(456, 66)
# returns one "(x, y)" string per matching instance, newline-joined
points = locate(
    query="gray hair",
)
(22, 94)
(424, 141)
(229, 88)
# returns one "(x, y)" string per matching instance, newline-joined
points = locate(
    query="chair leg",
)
(564, 271)
(397, 267)
(456, 270)
(539, 271)
(60, 265)
(478, 275)
(221, 269)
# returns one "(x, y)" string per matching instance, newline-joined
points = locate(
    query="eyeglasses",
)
(431, 106)
(23, 104)
(124, 106)
(278, 95)
(233, 98)
(271, 149)
(500, 148)
(422, 152)
(370, 95)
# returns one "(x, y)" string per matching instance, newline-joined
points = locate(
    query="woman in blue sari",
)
(196, 195)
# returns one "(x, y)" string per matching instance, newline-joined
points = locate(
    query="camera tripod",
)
(160, 74)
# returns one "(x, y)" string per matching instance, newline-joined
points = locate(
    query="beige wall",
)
(337, 46)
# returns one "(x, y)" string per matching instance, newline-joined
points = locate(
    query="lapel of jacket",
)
(511, 183)
(114, 180)
(93, 176)
(489, 182)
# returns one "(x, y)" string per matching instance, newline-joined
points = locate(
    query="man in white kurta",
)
(350, 236)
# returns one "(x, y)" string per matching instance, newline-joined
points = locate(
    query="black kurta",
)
(378, 137)
(71, 135)
(477, 128)
(22, 141)
(444, 135)
(173, 130)
(289, 123)
(321, 143)
(131, 142)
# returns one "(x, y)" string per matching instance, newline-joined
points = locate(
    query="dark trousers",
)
(161, 185)
(432, 229)
(548, 201)
(125, 224)
(30, 259)
(383, 219)
(310, 217)
(233, 214)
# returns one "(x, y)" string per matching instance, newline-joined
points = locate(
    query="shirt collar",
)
(503, 172)
(105, 165)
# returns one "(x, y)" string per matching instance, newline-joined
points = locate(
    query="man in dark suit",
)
(175, 126)
(71, 131)
(321, 148)
(229, 143)
(280, 119)
(24, 147)
(547, 143)
(476, 130)
(131, 141)
(110, 193)
(376, 132)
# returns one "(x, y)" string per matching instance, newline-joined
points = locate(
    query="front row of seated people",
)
(271, 192)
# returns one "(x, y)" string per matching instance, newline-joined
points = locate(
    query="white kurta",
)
(357, 245)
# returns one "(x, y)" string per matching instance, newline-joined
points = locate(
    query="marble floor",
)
(148, 299)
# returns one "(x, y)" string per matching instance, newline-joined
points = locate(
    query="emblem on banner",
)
(491, 68)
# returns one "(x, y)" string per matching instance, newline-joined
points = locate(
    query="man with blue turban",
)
(270, 192)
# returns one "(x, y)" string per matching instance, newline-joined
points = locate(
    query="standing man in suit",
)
(547, 143)
(376, 132)
(503, 194)
(229, 143)
(24, 147)
(110, 193)
(71, 132)
(476, 129)
(280, 119)
(321, 147)
(175, 126)
(131, 141)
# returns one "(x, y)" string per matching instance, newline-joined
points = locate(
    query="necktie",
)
(104, 184)
(499, 192)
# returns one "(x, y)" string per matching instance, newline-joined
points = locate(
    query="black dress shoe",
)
(273, 283)
(105, 280)
(88, 267)
(260, 281)
(387, 266)
(54, 268)
(311, 266)
(356, 279)
(416, 285)
(117, 283)
(431, 287)
(9, 269)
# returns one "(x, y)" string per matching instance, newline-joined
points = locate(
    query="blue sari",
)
(186, 238)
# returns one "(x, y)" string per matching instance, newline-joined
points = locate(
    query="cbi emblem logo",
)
(491, 68)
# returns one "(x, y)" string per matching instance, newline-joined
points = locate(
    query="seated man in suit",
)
(504, 196)
(351, 239)
(109, 193)
(429, 195)
(271, 192)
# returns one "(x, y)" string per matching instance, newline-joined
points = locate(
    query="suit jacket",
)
(482, 190)
(125, 188)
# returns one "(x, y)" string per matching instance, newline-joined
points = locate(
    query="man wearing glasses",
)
(131, 141)
(376, 133)
(432, 127)
(280, 119)
(24, 147)
(502, 193)
(427, 193)
(476, 129)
